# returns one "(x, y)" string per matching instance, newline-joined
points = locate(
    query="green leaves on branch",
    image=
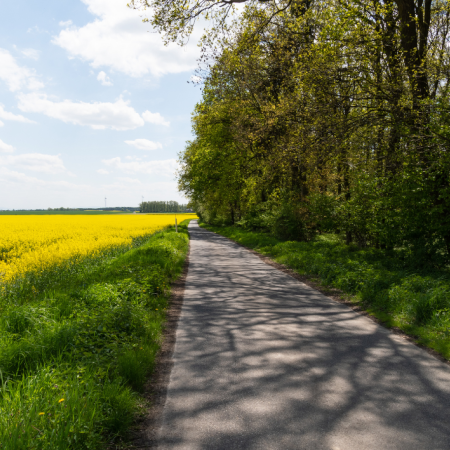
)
(328, 116)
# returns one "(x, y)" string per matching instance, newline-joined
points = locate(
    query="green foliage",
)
(134, 364)
(415, 300)
(326, 117)
(74, 357)
(161, 207)
(289, 221)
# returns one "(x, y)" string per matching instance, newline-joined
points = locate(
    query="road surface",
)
(263, 361)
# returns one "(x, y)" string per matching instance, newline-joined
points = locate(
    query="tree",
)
(328, 116)
(176, 20)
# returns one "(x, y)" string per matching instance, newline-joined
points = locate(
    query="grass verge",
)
(414, 300)
(75, 356)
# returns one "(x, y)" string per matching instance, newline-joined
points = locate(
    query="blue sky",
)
(92, 105)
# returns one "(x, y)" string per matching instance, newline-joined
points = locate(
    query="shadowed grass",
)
(75, 355)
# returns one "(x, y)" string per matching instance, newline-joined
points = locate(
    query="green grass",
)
(74, 357)
(395, 290)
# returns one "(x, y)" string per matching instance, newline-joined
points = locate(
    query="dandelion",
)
(61, 400)
(41, 413)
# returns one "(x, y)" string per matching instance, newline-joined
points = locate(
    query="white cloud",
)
(36, 162)
(129, 180)
(155, 118)
(1, 124)
(132, 189)
(23, 180)
(165, 167)
(104, 79)
(30, 53)
(15, 76)
(102, 172)
(65, 23)
(97, 115)
(17, 177)
(5, 148)
(5, 115)
(144, 144)
(118, 39)
(36, 29)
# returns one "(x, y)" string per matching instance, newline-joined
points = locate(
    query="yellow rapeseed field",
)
(36, 243)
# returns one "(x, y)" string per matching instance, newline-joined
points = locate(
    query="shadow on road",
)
(265, 362)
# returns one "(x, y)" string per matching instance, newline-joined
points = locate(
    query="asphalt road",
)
(262, 361)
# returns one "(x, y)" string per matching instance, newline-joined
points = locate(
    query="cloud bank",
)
(155, 118)
(17, 77)
(104, 79)
(97, 115)
(118, 39)
(165, 167)
(5, 115)
(144, 144)
(36, 162)
(5, 148)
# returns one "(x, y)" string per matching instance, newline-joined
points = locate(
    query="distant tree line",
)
(115, 208)
(72, 210)
(162, 207)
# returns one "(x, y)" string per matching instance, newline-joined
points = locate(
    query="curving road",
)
(262, 361)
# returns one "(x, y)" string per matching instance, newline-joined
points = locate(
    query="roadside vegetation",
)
(389, 286)
(75, 354)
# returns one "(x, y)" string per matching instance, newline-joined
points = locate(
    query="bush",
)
(431, 303)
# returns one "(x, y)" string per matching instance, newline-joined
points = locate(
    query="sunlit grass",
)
(76, 352)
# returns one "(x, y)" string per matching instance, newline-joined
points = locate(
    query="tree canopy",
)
(175, 20)
(322, 116)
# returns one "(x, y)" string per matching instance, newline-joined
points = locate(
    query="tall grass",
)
(388, 285)
(75, 353)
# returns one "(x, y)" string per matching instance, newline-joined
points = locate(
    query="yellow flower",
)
(61, 400)
(40, 243)
(41, 414)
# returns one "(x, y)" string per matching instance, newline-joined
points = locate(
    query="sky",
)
(92, 105)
